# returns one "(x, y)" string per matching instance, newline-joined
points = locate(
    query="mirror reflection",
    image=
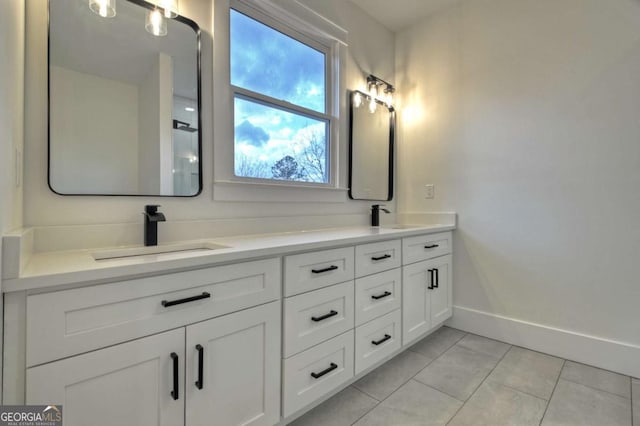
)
(371, 149)
(124, 107)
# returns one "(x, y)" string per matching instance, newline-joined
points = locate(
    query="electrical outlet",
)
(429, 191)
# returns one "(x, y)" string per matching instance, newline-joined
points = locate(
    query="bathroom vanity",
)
(252, 330)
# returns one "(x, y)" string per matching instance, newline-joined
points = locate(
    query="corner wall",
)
(524, 114)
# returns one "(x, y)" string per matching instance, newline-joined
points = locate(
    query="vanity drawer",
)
(70, 322)
(377, 257)
(316, 372)
(378, 294)
(377, 339)
(423, 247)
(310, 271)
(316, 316)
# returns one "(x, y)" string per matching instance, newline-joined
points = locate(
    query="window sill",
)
(258, 192)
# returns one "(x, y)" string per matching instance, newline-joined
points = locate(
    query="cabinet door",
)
(240, 369)
(128, 384)
(441, 295)
(416, 301)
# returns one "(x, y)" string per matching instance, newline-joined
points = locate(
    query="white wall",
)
(94, 132)
(525, 115)
(11, 120)
(371, 50)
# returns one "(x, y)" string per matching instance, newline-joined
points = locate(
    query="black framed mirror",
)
(371, 147)
(124, 103)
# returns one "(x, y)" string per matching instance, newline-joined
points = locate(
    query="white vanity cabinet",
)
(126, 384)
(426, 296)
(378, 302)
(256, 342)
(227, 374)
(224, 370)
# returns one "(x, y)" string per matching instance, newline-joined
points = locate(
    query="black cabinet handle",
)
(386, 256)
(167, 303)
(430, 286)
(332, 367)
(432, 246)
(381, 341)
(319, 271)
(325, 316)
(200, 381)
(175, 392)
(437, 278)
(380, 296)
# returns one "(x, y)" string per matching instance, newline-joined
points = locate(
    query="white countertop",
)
(48, 270)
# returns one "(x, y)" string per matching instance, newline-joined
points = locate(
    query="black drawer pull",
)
(323, 372)
(200, 381)
(432, 246)
(386, 256)
(381, 341)
(437, 283)
(319, 271)
(380, 296)
(167, 303)
(175, 392)
(431, 279)
(325, 316)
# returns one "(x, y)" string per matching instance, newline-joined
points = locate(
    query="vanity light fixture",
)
(104, 8)
(378, 90)
(155, 23)
(189, 109)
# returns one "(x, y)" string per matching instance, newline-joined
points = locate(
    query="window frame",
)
(328, 116)
(300, 22)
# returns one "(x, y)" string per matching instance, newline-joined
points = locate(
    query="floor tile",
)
(342, 409)
(384, 380)
(458, 372)
(413, 404)
(528, 371)
(437, 343)
(635, 394)
(579, 405)
(496, 405)
(484, 345)
(596, 378)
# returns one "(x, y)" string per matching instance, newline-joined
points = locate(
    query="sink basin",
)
(401, 226)
(132, 252)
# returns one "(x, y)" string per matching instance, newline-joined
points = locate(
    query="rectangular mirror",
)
(124, 104)
(371, 141)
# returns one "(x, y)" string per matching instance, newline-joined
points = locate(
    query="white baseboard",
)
(608, 354)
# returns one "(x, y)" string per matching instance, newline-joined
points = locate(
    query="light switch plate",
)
(429, 191)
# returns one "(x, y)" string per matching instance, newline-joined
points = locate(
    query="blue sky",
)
(266, 61)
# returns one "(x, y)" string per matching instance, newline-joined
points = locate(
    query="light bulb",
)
(104, 8)
(357, 100)
(155, 23)
(373, 90)
(389, 99)
(372, 106)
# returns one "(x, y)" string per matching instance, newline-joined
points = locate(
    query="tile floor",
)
(454, 378)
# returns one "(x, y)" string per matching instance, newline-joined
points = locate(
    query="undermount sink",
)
(131, 252)
(397, 226)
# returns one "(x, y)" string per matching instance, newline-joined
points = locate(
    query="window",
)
(281, 93)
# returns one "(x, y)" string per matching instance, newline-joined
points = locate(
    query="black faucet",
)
(151, 218)
(375, 214)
